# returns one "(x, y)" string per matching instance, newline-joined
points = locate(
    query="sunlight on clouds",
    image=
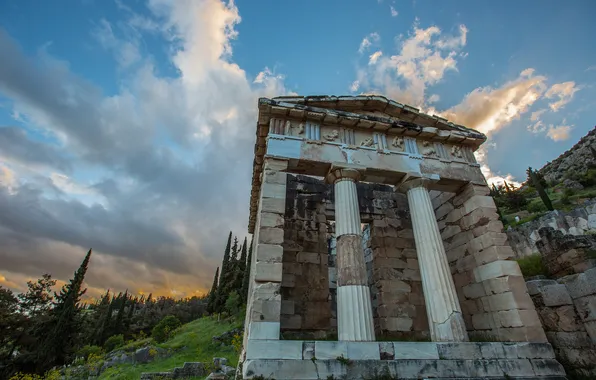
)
(422, 60)
(563, 91)
(559, 133)
(374, 57)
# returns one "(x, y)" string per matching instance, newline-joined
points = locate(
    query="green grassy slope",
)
(192, 344)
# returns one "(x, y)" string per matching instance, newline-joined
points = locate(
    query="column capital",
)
(411, 182)
(338, 173)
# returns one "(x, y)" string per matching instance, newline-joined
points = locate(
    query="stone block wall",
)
(399, 310)
(306, 306)
(490, 287)
(263, 310)
(567, 310)
(307, 285)
(566, 254)
(575, 222)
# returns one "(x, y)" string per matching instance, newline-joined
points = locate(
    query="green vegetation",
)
(40, 329)
(190, 343)
(532, 266)
(165, 328)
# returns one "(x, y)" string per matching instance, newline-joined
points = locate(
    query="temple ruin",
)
(377, 249)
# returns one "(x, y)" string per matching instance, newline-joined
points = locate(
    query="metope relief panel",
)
(330, 134)
(429, 149)
(380, 140)
(397, 144)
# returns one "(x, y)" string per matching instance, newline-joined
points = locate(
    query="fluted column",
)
(442, 305)
(354, 309)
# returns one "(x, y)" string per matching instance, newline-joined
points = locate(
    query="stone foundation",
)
(404, 360)
(567, 310)
(563, 254)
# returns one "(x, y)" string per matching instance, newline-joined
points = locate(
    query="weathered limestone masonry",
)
(567, 310)
(566, 254)
(490, 286)
(578, 221)
(433, 247)
(392, 268)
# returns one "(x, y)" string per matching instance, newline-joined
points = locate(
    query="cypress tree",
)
(120, 316)
(60, 342)
(538, 186)
(242, 261)
(213, 293)
(224, 276)
(246, 278)
(106, 327)
(239, 270)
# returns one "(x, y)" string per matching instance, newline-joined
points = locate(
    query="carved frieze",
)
(456, 152)
(368, 142)
(428, 149)
(398, 142)
(331, 136)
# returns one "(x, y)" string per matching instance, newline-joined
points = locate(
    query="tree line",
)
(41, 329)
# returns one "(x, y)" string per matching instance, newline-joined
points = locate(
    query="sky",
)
(128, 126)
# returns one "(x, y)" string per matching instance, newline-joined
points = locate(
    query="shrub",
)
(532, 265)
(164, 329)
(114, 342)
(536, 205)
(88, 350)
(233, 303)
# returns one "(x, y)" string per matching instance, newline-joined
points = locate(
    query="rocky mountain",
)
(574, 161)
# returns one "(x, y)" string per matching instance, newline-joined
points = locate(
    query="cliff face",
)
(575, 159)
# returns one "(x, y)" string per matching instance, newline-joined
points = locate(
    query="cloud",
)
(374, 57)
(355, 86)
(488, 109)
(368, 41)
(564, 91)
(154, 175)
(422, 60)
(537, 114)
(393, 11)
(559, 133)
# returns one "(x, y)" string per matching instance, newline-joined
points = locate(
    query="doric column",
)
(354, 309)
(442, 306)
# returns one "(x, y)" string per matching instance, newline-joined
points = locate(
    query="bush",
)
(589, 178)
(536, 205)
(164, 329)
(114, 342)
(532, 265)
(88, 350)
(233, 303)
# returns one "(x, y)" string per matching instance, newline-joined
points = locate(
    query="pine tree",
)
(60, 341)
(213, 293)
(538, 186)
(224, 275)
(246, 278)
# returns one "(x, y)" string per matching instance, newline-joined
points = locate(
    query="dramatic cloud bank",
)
(152, 177)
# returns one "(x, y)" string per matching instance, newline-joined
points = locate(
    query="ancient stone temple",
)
(378, 250)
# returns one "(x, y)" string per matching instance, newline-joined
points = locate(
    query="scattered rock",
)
(226, 338)
(571, 184)
(148, 354)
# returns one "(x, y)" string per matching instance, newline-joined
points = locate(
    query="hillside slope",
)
(192, 343)
(573, 161)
